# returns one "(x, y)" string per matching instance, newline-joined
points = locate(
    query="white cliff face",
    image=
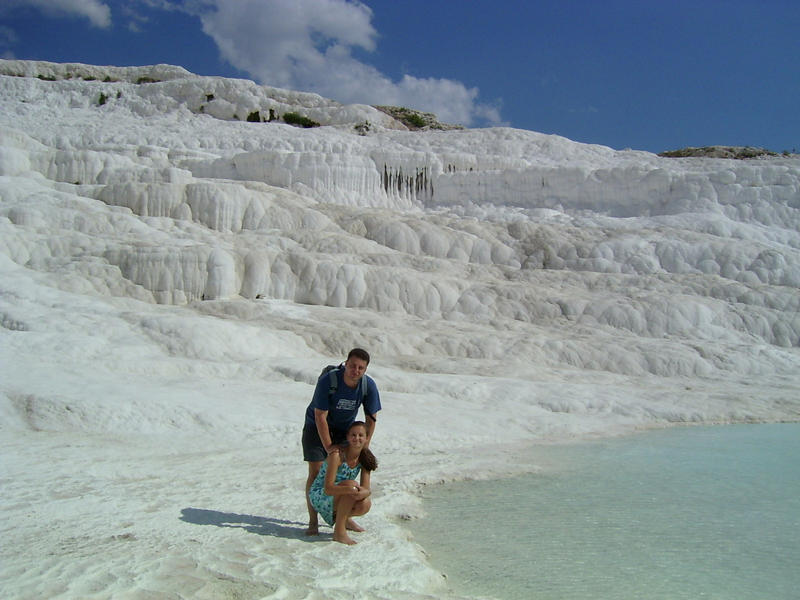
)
(154, 191)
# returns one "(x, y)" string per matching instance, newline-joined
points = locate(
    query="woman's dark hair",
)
(368, 460)
(359, 353)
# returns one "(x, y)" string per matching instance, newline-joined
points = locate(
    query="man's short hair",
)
(359, 353)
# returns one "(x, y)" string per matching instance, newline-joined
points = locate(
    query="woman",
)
(335, 493)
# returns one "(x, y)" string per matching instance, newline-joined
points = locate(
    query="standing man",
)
(333, 409)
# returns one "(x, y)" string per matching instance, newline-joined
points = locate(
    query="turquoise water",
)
(696, 512)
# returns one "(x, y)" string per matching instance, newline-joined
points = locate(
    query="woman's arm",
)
(331, 487)
(363, 488)
(333, 461)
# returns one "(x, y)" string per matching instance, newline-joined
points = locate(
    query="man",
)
(330, 415)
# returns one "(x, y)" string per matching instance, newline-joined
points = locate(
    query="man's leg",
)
(313, 517)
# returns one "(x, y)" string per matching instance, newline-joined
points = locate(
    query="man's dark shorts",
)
(313, 450)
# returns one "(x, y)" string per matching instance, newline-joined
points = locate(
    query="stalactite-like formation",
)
(416, 185)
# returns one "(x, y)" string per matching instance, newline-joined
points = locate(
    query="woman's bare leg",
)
(358, 510)
(344, 508)
(353, 526)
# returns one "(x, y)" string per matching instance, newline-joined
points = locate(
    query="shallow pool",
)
(690, 512)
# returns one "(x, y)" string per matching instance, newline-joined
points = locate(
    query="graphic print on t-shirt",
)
(346, 404)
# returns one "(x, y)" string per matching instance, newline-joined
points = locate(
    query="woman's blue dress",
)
(323, 503)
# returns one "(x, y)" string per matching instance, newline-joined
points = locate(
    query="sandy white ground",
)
(172, 280)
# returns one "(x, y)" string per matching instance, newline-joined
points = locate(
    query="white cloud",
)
(308, 45)
(8, 37)
(136, 21)
(584, 110)
(98, 13)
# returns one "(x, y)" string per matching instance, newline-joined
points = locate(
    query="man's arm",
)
(321, 419)
(372, 422)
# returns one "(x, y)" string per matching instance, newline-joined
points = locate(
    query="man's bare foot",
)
(312, 529)
(344, 539)
(353, 526)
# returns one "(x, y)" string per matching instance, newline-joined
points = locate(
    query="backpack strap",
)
(334, 384)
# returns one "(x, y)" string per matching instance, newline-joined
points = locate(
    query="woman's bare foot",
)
(344, 539)
(353, 526)
(313, 529)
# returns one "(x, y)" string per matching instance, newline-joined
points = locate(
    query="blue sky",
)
(643, 74)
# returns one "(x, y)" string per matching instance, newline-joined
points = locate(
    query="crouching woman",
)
(335, 494)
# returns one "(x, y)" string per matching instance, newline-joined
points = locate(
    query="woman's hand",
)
(352, 488)
(361, 492)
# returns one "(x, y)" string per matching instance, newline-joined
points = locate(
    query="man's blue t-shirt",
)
(343, 406)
